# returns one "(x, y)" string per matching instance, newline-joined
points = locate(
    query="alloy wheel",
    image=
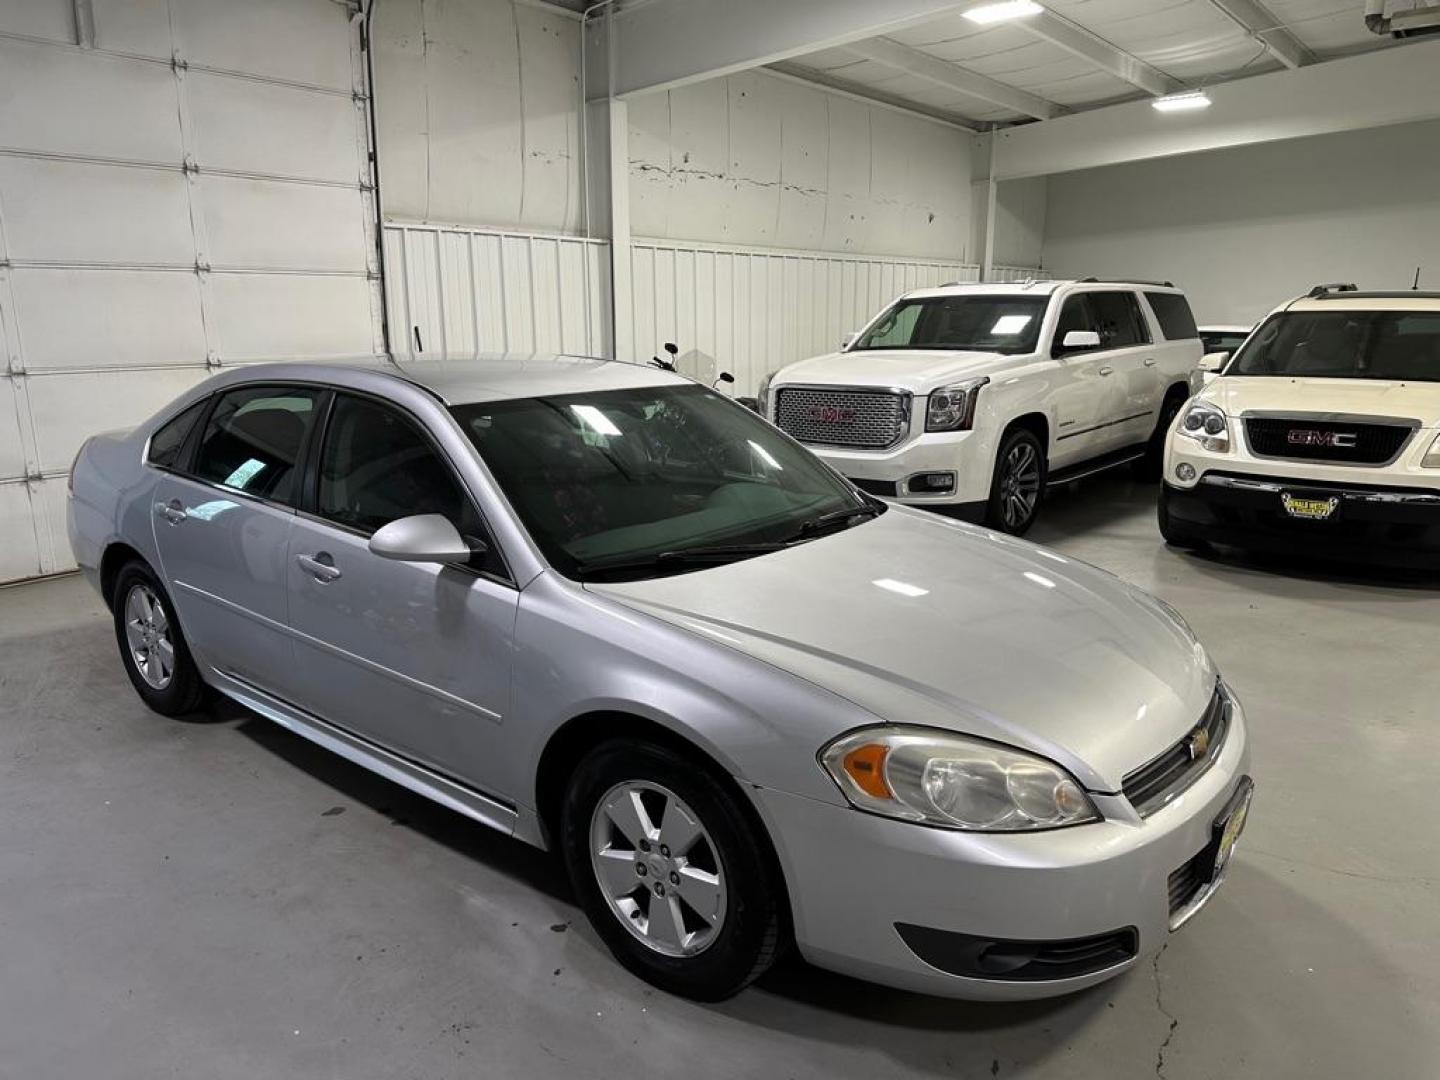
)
(657, 868)
(147, 633)
(1019, 485)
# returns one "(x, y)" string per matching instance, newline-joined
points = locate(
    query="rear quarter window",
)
(1173, 313)
(169, 438)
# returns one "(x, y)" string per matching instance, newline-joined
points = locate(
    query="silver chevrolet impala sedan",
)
(610, 612)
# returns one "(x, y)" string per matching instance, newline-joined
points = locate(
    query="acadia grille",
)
(862, 419)
(1153, 785)
(1346, 441)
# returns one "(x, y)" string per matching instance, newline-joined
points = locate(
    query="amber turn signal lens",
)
(866, 766)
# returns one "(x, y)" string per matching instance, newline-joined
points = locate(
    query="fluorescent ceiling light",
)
(1003, 11)
(1191, 99)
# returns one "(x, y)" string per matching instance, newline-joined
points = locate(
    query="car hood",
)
(1239, 394)
(922, 620)
(916, 370)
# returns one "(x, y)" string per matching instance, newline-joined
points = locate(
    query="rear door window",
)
(1118, 318)
(253, 439)
(1172, 312)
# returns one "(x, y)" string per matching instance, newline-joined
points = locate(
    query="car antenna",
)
(1416, 286)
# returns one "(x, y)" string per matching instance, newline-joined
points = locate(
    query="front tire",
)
(670, 870)
(1017, 486)
(152, 648)
(1152, 464)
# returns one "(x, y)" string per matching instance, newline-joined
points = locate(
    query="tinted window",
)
(1173, 313)
(1118, 319)
(1075, 315)
(1398, 345)
(252, 440)
(1222, 342)
(376, 467)
(982, 323)
(169, 440)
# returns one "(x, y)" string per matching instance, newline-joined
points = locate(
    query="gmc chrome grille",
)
(1350, 442)
(1153, 785)
(861, 419)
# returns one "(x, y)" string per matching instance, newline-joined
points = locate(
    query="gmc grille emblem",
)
(1341, 440)
(831, 414)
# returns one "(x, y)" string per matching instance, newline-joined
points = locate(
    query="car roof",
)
(1032, 288)
(1359, 301)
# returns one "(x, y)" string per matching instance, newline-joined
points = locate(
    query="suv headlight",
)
(952, 408)
(1431, 460)
(762, 395)
(925, 776)
(1207, 425)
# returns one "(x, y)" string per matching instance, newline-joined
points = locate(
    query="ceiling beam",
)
(634, 48)
(932, 69)
(1257, 21)
(1082, 43)
(870, 95)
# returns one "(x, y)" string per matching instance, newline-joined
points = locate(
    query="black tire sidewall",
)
(184, 693)
(1152, 464)
(994, 512)
(747, 941)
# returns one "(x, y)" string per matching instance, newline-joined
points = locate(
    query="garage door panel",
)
(248, 126)
(53, 20)
(66, 211)
(300, 40)
(261, 223)
(108, 318)
(47, 497)
(133, 26)
(68, 409)
(284, 316)
(12, 453)
(19, 556)
(71, 102)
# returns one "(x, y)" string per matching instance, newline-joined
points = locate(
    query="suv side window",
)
(1075, 315)
(1172, 312)
(253, 439)
(169, 439)
(376, 467)
(1118, 318)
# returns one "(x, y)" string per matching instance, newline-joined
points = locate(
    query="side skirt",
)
(1082, 469)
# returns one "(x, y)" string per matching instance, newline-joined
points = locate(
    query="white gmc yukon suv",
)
(1320, 435)
(970, 399)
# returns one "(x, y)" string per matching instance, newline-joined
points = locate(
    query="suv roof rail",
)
(1333, 287)
(1388, 294)
(1124, 281)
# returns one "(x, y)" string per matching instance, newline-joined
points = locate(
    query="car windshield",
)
(1396, 345)
(654, 480)
(999, 324)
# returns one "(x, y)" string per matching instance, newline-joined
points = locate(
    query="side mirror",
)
(421, 538)
(848, 340)
(672, 348)
(1080, 339)
(725, 377)
(1213, 361)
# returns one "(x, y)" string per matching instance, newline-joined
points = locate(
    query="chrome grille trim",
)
(1156, 783)
(879, 418)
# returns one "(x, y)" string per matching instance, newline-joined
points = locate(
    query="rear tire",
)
(702, 920)
(152, 648)
(1017, 486)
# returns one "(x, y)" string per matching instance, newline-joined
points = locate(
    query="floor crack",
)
(1160, 1005)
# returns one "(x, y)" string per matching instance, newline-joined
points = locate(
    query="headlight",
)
(1431, 460)
(952, 408)
(762, 396)
(937, 779)
(1207, 425)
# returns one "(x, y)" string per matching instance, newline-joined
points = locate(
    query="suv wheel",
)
(1018, 486)
(151, 646)
(1152, 464)
(670, 870)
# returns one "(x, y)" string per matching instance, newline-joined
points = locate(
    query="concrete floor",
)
(221, 900)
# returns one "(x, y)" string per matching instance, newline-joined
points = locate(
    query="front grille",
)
(1154, 784)
(1345, 441)
(1186, 882)
(861, 419)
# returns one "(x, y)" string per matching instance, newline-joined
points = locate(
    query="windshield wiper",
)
(837, 517)
(712, 555)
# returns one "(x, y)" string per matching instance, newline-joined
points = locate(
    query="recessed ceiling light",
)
(1003, 11)
(1191, 99)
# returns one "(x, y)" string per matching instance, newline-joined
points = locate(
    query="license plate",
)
(1229, 825)
(1307, 509)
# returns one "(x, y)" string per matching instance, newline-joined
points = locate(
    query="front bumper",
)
(1394, 525)
(969, 455)
(858, 881)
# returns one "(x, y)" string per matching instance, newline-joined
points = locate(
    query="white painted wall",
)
(761, 161)
(1242, 230)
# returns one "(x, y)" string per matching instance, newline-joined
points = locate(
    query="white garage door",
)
(183, 186)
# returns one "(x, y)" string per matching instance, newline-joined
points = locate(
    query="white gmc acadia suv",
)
(1319, 435)
(970, 399)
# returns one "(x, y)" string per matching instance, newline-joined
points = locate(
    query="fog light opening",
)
(1185, 472)
(931, 483)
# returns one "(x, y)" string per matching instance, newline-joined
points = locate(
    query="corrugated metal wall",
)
(180, 189)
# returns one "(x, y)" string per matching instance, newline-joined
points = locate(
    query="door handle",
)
(319, 566)
(173, 511)
(1107, 370)
(1149, 361)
